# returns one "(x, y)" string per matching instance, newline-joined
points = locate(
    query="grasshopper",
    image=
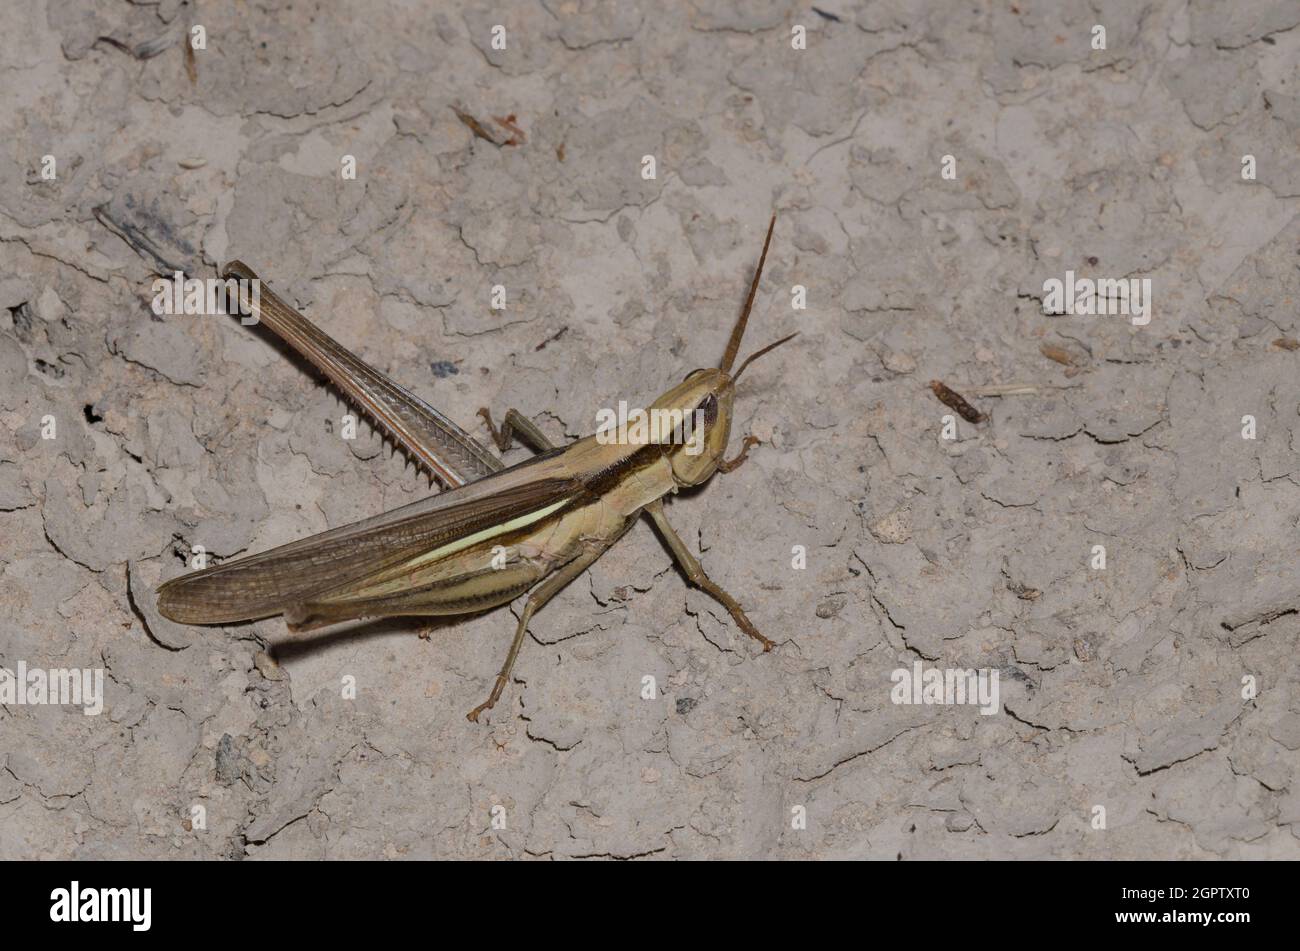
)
(496, 532)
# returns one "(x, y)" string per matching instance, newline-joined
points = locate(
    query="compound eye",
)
(710, 406)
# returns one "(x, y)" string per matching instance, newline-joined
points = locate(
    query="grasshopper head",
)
(698, 409)
(695, 424)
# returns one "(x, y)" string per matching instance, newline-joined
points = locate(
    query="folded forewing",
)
(432, 439)
(265, 584)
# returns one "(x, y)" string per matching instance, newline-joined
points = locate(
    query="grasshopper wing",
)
(270, 583)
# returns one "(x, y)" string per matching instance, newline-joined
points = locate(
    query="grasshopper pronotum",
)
(496, 532)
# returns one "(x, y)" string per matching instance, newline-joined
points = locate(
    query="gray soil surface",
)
(1148, 708)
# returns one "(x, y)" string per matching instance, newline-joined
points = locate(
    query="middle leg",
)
(543, 593)
(516, 424)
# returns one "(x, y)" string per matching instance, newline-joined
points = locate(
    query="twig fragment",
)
(1019, 389)
(475, 126)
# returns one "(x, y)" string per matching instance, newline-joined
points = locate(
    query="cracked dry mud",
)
(1121, 688)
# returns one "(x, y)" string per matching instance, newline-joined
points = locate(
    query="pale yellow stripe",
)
(489, 532)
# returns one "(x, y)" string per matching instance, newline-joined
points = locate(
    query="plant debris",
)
(555, 336)
(517, 135)
(956, 401)
(509, 123)
(475, 126)
(1059, 354)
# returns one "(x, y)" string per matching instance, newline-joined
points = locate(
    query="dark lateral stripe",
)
(600, 482)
